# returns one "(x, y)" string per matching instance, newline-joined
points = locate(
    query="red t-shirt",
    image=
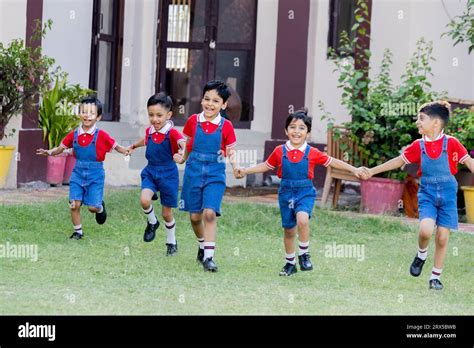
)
(157, 137)
(105, 143)
(457, 153)
(228, 134)
(315, 157)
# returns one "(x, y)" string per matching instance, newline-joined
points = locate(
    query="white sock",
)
(170, 232)
(201, 243)
(150, 214)
(101, 209)
(290, 258)
(78, 229)
(303, 247)
(422, 253)
(436, 273)
(209, 249)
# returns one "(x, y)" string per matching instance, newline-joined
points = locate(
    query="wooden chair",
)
(334, 150)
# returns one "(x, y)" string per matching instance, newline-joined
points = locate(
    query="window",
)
(341, 18)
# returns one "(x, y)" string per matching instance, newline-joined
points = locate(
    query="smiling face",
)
(158, 116)
(297, 132)
(212, 103)
(427, 125)
(88, 115)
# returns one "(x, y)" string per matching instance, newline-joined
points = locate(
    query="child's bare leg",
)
(167, 214)
(302, 219)
(145, 198)
(210, 225)
(93, 209)
(426, 230)
(196, 224)
(441, 242)
(76, 212)
(289, 240)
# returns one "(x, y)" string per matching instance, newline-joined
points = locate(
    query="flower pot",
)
(6, 153)
(55, 169)
(469, 199)
(381, 195)
(70, 163)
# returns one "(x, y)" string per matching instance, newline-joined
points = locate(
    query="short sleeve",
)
(230, 139)
(319, 157)
(274, 160)
(458, 150)
(412, 154)
(68, 140)
(107, 140)
(190, 126)
(175, 137)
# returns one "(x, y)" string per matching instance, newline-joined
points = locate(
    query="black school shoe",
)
(171, 249)
(305, 263)
(288, 270)
(209, 265)
(435, 284)
(200, 255)
(150, 230)
(101, 217)
(76, 235)
(416, 266)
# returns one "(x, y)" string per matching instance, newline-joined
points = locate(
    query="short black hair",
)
(300, 115)
(93, 100)
(162, 99)
(437, 109)
(221, 88)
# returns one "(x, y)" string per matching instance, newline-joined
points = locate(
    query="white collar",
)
(215, 121)
(81, 131)
(428, 140)
(302, 148)
(169, 124)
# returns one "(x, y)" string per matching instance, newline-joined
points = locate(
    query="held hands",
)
(43, 152)
(363, 173)
(179, 157)
(239, 172)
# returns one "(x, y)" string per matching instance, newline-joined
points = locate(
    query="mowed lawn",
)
(112, 271)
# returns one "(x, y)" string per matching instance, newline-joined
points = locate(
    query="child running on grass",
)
(210, 138)
(161, 175)
(437, 155)
(90, 145)
(296, 196)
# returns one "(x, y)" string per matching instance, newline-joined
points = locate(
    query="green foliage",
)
(24, 71)
(462, 27)
(58, 113)
(382, 114)
(461, 126)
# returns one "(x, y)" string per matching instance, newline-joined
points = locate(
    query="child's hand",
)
(239, 172)
(178, 158)
(128, 150)
(363, 173)
(43, 152)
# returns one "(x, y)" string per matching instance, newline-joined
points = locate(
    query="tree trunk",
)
(2, 130)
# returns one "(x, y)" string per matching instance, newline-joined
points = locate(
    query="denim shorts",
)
(439, 202)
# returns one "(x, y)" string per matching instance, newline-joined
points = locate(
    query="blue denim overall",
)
(296, 192)
(204, 176)
(88, 176)
(437, 195)
(161, 173)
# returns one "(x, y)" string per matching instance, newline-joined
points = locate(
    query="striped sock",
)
(303, 247)
(150, 215)
(422, 253)
(78, 229)
(209, 248)
(290, 258)
(170, 232)
(201, 243)
(436, 273)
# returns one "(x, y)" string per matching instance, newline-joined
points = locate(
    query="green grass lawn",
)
(112, 271)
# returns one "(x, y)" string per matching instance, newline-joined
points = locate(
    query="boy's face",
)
(88, 114)
(212, 104)
(297, 132)
(158, 116)
(426, 124)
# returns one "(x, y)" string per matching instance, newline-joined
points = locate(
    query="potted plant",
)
(24, 71)
(382, 114)
(58, 115)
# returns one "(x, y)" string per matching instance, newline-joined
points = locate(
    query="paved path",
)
(266, 196)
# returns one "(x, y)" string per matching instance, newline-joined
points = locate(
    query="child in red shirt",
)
(87, 180)
(296, 161)
(438, 155)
